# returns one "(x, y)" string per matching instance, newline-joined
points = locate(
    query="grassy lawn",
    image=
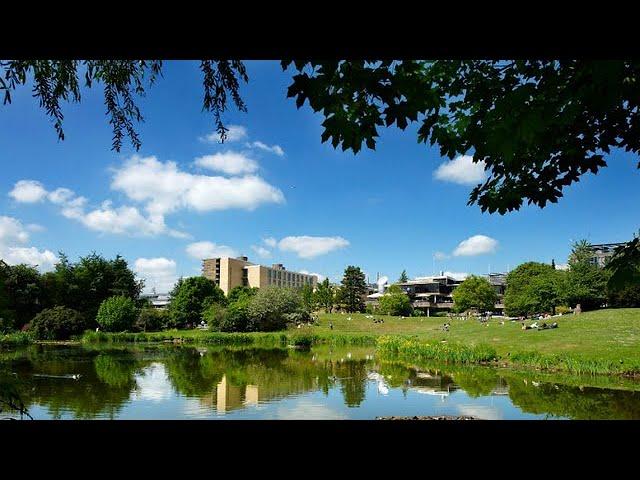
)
(609, 334)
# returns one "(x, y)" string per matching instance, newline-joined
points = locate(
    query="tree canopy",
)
(353, 289)
(533, 288)
(475, 292)
(537, 126)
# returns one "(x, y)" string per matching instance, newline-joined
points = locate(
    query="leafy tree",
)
(268, 309)
(504, 112)
(537, 125)
(353, 290)
(533, 288)
(123, 80)
(23, 287)
(6, 314)
(241, 291)
(395, 302)
(87, 283)
(237, 316)
(325, 295)
(215, 314)
(188, 300)
(117, 314)
(475, 292)
(403, 277)
(308, 298)
(57, 323)
(151, 319)
(586, 283)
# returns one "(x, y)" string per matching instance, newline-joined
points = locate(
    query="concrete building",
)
(157, 300)
(602, 252)
(229, 272)
(435, 293)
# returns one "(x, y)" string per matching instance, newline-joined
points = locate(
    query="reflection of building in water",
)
(433, 384)
(229, 396)
(251, 395)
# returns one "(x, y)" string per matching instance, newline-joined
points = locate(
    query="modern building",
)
(229, 272)
(602, 252)
(435, 293)
(157, 300)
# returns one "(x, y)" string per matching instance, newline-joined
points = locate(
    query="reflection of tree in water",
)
(270, 373)
(352, 375)
(580, 404)
(42, 375)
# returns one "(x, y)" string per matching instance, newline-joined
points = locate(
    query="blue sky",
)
(274, 191)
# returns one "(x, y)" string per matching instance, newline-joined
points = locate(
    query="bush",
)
(395, 303)
(190, 297)
(57, 323)
(215, 316)
(236, 318)
(296, 318)
(151, 320)
(117, 314)
(7, 324)
(562, 309)
(268, 309)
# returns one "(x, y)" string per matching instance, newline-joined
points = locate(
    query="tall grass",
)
(15, 339)
(220, 338)
(449, 352)
(572, 363)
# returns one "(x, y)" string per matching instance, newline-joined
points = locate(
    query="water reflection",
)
(187, 382)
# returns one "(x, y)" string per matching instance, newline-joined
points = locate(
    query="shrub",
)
(6, 322)
(295, 318)
(190, 297)
(236, 318)
(151, 320)
(395, 303)
(562, 309)
(117, 314)
(214, 315)
(268, 309)
(57, 323)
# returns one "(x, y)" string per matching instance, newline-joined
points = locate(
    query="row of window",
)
(290, 278)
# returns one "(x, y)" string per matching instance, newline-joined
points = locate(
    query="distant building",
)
(229, 272)
(602, 252)
(157, 300)
(435, 293)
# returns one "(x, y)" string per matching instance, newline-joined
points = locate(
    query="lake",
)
(203, 382)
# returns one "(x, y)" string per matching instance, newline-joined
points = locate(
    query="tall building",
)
(229, 272)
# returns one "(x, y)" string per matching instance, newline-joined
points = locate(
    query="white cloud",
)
(276, 149)
(562, 266)
(441, 256)
(61, 196)
(158, 273)
(261, 251)
(165, 188)
(270, 242)
(13, 237)
(28, 191)
(44, 259)
(319, 275)
(476, 245)
(234, 134)
(461, 170)
(230, 162)
(12, 231)
(309, 247)
(205, 249)
(34, 227)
